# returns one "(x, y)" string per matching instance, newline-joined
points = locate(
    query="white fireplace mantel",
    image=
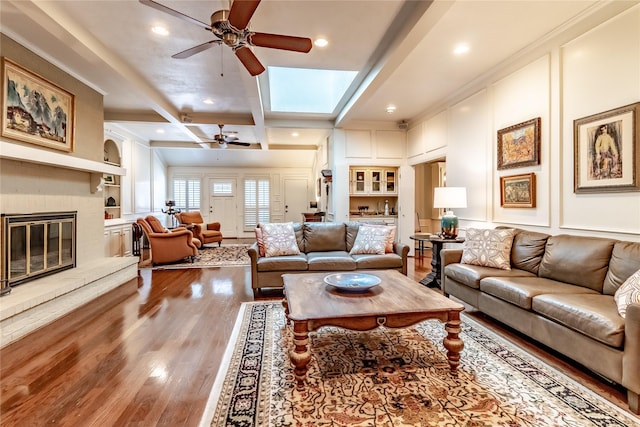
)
(25, 153)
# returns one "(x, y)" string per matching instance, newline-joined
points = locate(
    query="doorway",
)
(223, 206)
(296, 197)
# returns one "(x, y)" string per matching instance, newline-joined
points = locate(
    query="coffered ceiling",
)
(402, 50)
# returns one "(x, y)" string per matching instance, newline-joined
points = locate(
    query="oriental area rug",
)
(389, 377)
(228, 255)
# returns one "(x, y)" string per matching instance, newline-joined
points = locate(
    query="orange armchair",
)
(206, 233)
(168, 246)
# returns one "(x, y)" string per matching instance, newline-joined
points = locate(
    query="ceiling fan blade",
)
(196, 49)
(244, 144)
(175, 13)
(249, 60)
(241, 12)
(279, 41)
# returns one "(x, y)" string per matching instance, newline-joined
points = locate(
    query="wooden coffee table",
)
(397, 302)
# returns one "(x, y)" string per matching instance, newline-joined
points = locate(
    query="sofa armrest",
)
(402, 250)
(631, 358)
(448, 256)
(254, 255)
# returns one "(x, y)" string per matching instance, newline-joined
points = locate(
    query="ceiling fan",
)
(230, 26)
(225, 138)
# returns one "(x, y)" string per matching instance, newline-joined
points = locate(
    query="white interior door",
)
(223, 206)
(296, 199)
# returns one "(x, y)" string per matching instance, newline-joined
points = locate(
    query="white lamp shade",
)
(450, 197)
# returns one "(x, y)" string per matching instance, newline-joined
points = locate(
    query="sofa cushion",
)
(279, 239)
(594, 315)
(371, 262)
(330, 260)
(625, 260)
(488, 248)
(391, 237)
(282, 263)
(521, 290)
(352, 231)
(628, 293)
(260, 240)
(324, 236)
(527, 250)
(577, 260)
(370, 240)
(470, 275)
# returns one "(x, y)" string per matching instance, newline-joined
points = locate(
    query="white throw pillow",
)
(279, 239)
(488, 248)
(391, 238)
(628, 293)
(370, 240)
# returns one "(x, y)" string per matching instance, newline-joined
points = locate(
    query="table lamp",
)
(449, 198)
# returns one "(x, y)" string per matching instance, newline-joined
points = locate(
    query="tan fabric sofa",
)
(560, 292)
(324, 246)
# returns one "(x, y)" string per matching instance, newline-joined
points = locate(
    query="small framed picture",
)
(519, 145)
(606, 154)
(109, 179)
(518, 191)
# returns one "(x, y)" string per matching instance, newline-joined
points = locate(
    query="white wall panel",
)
(390, 144)
(358, 144)
(467, 154)
(435, 132)
(600, 72)
(522, 96)
(142, 178)
(415, 141)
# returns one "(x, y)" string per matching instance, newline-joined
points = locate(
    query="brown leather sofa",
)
(560, 292)
(206, 233)
(166, 246)
(324, 246)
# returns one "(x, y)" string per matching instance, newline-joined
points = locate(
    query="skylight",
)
(302, 90)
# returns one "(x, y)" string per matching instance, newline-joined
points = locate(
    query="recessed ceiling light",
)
(295, 134)
(391, 109)
(461, 48)
(321, 42)
(159, 130)
(208, 101)
(160, 30)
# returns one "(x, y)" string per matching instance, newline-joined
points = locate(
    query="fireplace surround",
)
(34, 245)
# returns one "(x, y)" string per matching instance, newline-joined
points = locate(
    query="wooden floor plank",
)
(148, 352)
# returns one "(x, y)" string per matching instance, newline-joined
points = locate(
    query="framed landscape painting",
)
(36, 111)
(606, 154)
(518, 191)
(519, 145)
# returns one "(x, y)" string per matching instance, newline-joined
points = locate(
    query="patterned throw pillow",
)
(628, 293)
(388, 248)
(488, 248)
(279, 239)
(371, 239)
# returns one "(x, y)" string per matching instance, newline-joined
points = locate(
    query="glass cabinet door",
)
(359, 181)
(376, 181)
(390, 180)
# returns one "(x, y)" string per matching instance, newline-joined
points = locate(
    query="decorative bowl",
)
(352, 282)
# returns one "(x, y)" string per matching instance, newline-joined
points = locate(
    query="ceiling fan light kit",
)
(230, 26)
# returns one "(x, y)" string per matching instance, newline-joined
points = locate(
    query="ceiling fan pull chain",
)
(221, 62)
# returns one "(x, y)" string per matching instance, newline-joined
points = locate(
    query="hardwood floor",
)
(147, 353)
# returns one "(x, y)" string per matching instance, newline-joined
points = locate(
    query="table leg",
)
(300, 355)
(452, 341)
(432, 280)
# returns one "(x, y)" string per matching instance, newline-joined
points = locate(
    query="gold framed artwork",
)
(35, 110)
(518, 191)
(519, 145)
(606, 154)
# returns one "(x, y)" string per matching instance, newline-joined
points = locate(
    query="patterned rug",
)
(390, 377)
(214, 256)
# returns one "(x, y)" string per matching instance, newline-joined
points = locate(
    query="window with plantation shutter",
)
(256, 202)
(186, 194)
